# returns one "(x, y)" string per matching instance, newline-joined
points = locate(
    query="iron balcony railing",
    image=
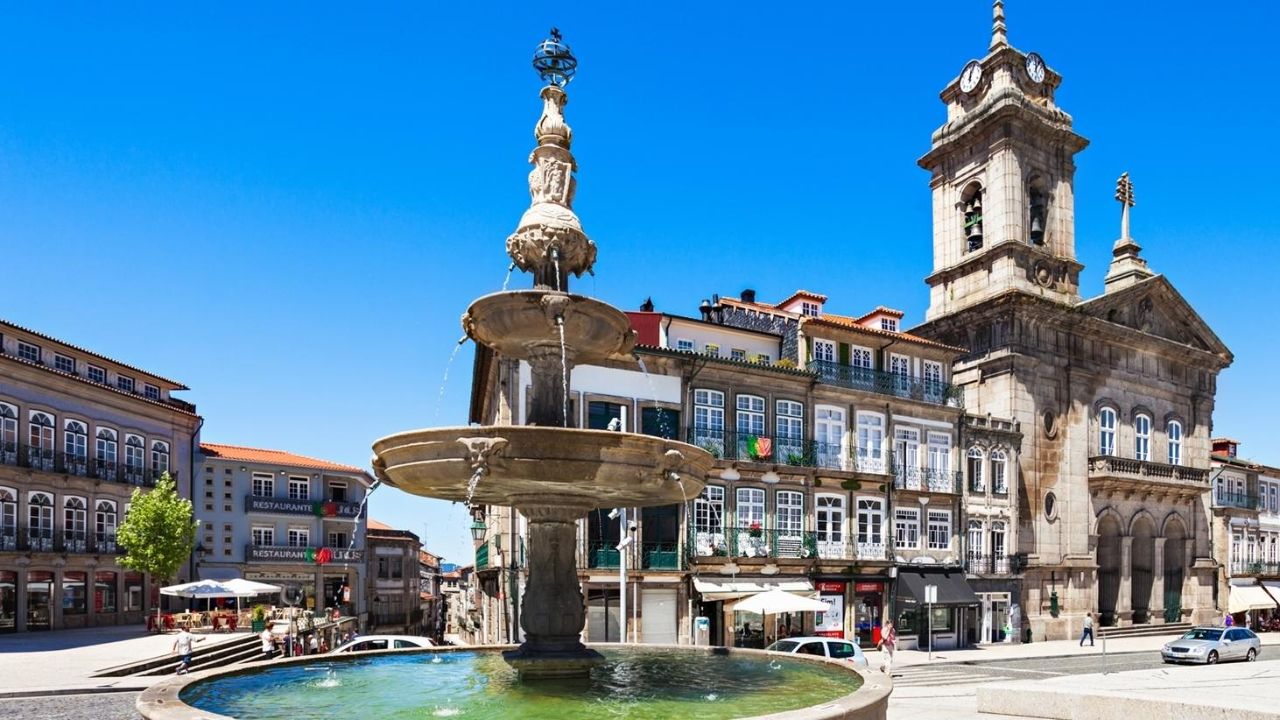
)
(1222, 498)
(926, 479)
(784, 450)
(981, 488)
(750, 542)
(20, 455)
(992, 564)
(1242, 568)
(884, 383)
(603, 555)
(24, 539)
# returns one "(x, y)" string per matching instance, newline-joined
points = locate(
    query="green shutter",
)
(844, 353)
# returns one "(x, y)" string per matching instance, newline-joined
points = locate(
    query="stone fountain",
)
(553, 473)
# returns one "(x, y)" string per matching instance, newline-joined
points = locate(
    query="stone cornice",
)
(995, 252)
(1003, 104)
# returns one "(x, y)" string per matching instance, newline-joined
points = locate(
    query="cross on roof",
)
(1124, 190)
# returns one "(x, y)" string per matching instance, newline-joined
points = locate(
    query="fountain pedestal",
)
(552, 612)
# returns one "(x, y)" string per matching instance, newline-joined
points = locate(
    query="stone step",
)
(1143, 630)
(200, 651)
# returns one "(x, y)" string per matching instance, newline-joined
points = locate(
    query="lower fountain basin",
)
(523, 464)
(633, 683)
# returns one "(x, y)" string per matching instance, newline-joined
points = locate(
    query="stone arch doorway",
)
(1108, 568)
(1175, 560)
(1142, 560)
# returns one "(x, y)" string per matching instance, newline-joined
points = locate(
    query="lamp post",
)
(620, 514)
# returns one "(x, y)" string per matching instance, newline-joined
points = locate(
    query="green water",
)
(630, 684)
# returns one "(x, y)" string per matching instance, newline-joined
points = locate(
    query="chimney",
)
(748, 296)
(647, 305)
(705, 309)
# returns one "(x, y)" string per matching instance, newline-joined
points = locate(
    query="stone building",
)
(1245, 521)
(285, 519)
(1114, 394)
(394, 599)
(79, 432)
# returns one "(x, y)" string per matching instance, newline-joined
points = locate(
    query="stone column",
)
(1124, 604)
(552, 612)
(546, 393)
(1157, 582)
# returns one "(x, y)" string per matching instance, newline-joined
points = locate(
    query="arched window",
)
(8, 519)
(135, 450)
(977, 482)
(159, 458)
(1037, 211)
(40, 441)
(75, 443)
(8, 433)
(74, 515)
(1174, 433)
(1142, 437)
(104, 526)
(40, 521)
(105, 453)
(999, 553)
(976, 551)
(971, 199)
(999, 472)
(1107, 431)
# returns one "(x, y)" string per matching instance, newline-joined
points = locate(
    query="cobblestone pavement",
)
(91, 706)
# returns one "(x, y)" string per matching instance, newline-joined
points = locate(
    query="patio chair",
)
(168, 622)
(232, 622)
(215, 623)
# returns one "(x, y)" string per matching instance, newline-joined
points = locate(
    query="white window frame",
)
(890, 324)
(75, 522)
(75, 440)
(870, 526)
(684, 344)
(810, 309)
(263, 484)
(1173, 434)
(30, 352)
(975, 547)
(263, 535)
(861, 357)
(125, 383)
(135, 452)
(40, 520)
(748, 419)
(150, 391)
(1107, 418)
(906, 528)
(738, 354)
(939, 527)
(829, 518)
(105, 519)
(1142, 437)
(708, 521)
(712, 349)
(975, 462)
(298, 537)
(96, 374)
(61, 361)
(8, 433)
(870, 451)
(159, 457)
(296, 481)
(338, 539)
(789, 512)
(931, 379)
(788, 421)
(824, 351)
(708, 420)
(999, 472)
(906, 455)
(749, 510)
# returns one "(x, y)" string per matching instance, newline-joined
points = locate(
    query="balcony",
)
(294, 506)
(603, 555)
(992, 564)
(660, 556)
(1243, 501)
(23, 539)
(883, 383)
(981, 488)
(25, 456)
(927, 479)
(1253, 569)
(299, 554)
(781, 544)
(782, 450)
(1111, 473)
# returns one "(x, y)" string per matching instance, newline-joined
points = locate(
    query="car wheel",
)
(1167, 661)
(1213, 658)
(1253, 655)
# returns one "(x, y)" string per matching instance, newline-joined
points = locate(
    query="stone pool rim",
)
(163, 701)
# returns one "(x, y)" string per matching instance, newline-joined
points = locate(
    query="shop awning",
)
(733, 590)
(953, 589)
(1249, 597)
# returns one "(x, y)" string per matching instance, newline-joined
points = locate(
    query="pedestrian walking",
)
(1227, 620)
(1088, 630)
(314, 647)
(182, 647)
(888, 644)
(268, 644)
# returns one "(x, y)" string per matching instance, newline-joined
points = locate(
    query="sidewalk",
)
(63, 660)
(1051, 648)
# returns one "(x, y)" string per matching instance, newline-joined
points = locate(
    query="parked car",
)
(822, 647)
(384, 642)
(1208, 645)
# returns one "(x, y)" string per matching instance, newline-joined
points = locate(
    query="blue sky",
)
(289, 207)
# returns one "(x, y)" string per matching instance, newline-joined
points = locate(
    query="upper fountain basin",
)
(523, 465)
(521, 324)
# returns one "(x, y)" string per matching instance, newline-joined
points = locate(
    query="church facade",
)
(1115, 394)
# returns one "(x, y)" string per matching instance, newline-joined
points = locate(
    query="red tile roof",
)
(176, 385)
(882, 310)
(848, 323)
(276, 457)
(803, 293)
(426, 596)
(378, 525)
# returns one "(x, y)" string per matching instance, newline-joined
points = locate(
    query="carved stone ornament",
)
(1044, 274)
(480, 450)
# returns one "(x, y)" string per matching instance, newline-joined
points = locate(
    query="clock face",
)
(971, 76)
(1035, 67)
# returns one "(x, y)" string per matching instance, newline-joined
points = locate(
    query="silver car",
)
(1208, 645)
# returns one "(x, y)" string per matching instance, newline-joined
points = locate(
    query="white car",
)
(384, 642)
(822, 647)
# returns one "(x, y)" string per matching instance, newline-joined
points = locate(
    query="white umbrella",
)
(249, 588)
(199, 588)
(773, 602)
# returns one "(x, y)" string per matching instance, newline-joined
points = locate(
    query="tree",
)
(159, 532)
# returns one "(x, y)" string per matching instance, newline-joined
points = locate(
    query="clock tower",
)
(1002, 170)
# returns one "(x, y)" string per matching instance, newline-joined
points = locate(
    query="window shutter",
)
(844, 353)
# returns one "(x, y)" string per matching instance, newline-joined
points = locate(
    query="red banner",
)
(830, 586)
(868, 587)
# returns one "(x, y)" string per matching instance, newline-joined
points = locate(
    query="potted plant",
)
(258, 620)
(754, 530)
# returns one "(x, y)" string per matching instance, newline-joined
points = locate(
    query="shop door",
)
(602, 616)
(658, 616)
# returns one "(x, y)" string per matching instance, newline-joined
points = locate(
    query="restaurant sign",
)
(288, 553)
(301, 507)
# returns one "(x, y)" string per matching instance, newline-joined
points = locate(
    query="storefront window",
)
(132, 591)
(8, 600)
(104, 592)
(908, 622)
(74, 594)
(868, 608)
(748, 630)
(39, 600)
(942, 619)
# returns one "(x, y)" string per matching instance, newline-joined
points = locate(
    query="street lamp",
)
(478, 529)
